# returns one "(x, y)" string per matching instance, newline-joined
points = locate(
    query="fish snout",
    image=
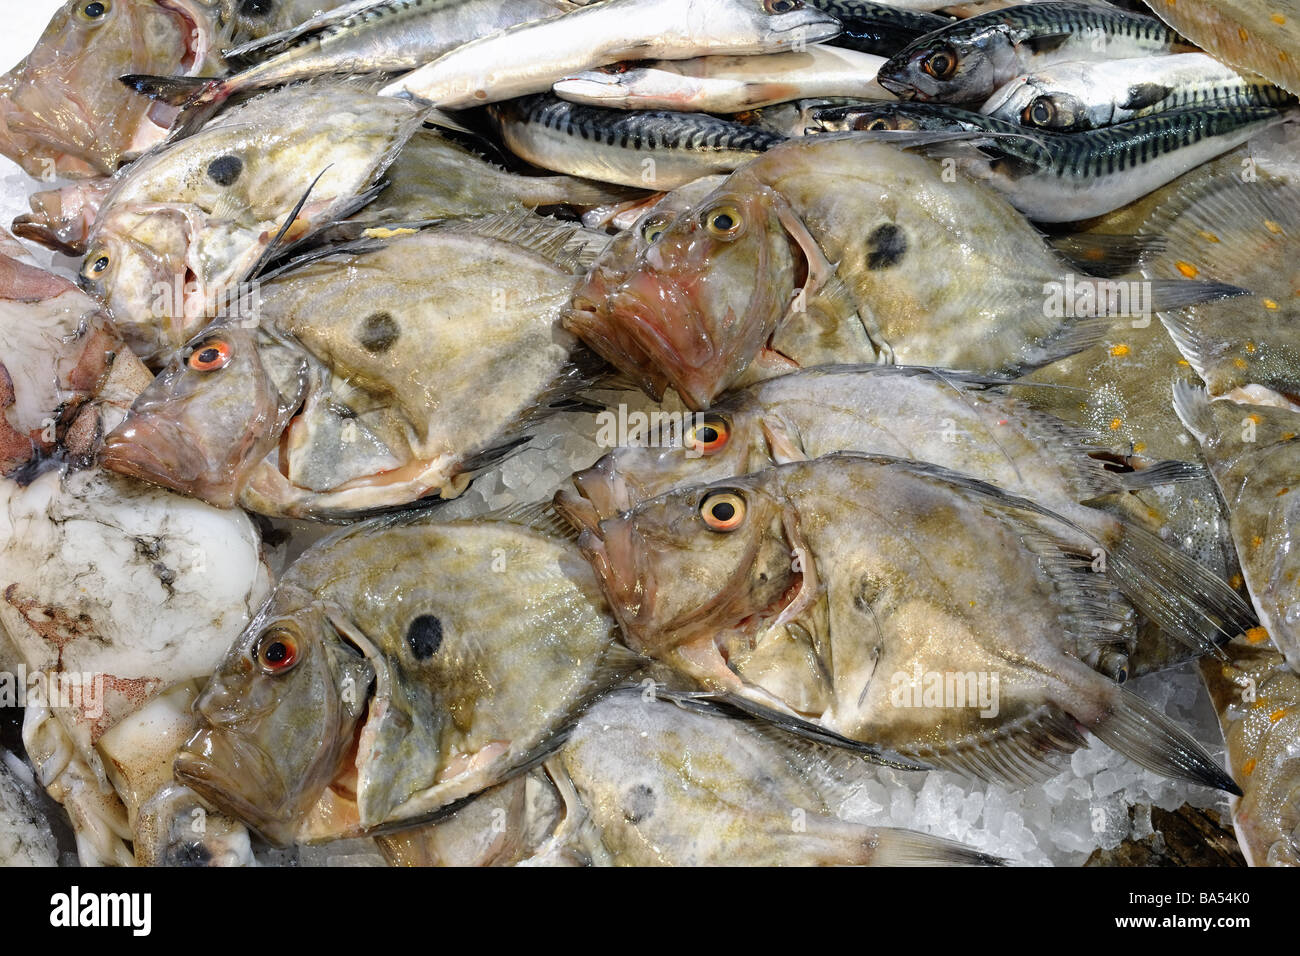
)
(155, 450)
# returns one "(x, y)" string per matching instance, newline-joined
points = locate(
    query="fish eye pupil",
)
(723, 222)
(101, 264)
(723, 511)
(209, 355)
(276, 652)
(94, 10)
(1041, 113)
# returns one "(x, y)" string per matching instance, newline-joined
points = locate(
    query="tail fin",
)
(183, 91)
(1162, 473)
(1168, 294)
(1185, 598)
(891, 847)
(1148, 738)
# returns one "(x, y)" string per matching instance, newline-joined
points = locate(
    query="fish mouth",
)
(612, 549)
(196, 38)
(159, 452)
(589, 320)
(598, 493)
(646, 310)
(236, 776)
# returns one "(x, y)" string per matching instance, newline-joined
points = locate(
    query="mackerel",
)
(647, 148)
(728, 84)
(1066, 177)
(877, 28)
(1076, 96)
(388, 36)
(966, 62)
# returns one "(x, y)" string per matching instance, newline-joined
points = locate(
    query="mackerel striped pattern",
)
(1047, 19)
(862, 14)
(648, 130)
(1245, 93)
(1098, 152)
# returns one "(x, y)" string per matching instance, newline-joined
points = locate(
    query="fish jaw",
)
(612, 550)
(238, 777)
(159, 452)
(598, 492)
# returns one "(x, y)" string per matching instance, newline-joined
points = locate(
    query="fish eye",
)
(782, 6)
(654, 228)
(210, 356)
(1040, 112)
(723, 511)
(875, 124)
(941, 64)
(723, 222)
(95, 10)
(709, 436)
(97, 264)
(277, 651)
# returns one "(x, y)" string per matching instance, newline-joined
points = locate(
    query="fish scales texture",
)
(669, 787)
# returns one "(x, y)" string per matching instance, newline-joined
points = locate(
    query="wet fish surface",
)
(817, 594)
(367, 711)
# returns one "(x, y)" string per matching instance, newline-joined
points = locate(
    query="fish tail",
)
(890, 847)
(1151, 740)
(182, 91)
(1168, 294)
(1162, 473)
(1185, 598)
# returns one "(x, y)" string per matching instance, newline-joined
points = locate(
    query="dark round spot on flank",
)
(378, 333)
(424, 636)
(639, 804)
(886, 246)
(257, 8)
(224, 170)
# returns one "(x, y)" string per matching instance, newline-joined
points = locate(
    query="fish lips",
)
(235, 776)
(598, 493)
(157, 451)
(661, 318)
(612, 549)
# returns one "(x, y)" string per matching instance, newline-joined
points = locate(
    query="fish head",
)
(685, 449)
(872, 118)
(694, 562)
(211, 416)
(768, 25)
(137, 263)
(701, 300)
(947, 68)
(279, 717)
(1029, 102)
(66, 94)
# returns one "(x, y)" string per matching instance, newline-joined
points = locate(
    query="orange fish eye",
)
(941, 64)
(277, 651)
(709, 436)
(723, 511)
(210, 356)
